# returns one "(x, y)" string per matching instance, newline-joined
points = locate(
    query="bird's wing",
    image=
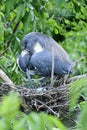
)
(62, 66)
(42, 61)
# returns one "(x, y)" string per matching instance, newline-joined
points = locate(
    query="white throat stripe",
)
(38, 47)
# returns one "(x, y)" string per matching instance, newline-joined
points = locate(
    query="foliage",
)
(12, 118)
(66, 22)
(82, 122)
(79, 89)
(66, 25)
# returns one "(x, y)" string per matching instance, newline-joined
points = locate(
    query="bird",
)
(37, 55)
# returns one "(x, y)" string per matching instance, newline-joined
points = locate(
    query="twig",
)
(49, 102)
(4, 52)
(73, 64)
(6, 79)
(78, 60)
(76, 77)
(16, 26)
(48, 107)
(52, 72)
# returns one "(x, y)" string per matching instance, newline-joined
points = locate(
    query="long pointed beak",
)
(29, 78)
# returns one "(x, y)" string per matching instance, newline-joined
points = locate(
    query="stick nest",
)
(49, 99)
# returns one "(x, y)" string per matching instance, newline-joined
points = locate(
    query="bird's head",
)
(23, 60)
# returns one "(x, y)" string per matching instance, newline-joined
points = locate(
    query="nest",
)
(53, 100)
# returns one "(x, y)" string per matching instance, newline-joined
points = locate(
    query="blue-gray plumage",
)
(23, 60)
(39, 55)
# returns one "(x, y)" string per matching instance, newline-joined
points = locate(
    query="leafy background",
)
(64, 20)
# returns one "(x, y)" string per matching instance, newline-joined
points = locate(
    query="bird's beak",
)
(29, 78)
(23, 62)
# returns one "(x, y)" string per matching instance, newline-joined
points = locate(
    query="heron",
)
(37, 55)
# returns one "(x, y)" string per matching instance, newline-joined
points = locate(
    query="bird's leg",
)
(28, 76)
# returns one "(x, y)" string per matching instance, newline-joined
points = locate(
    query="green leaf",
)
(20, 12)
(82, 123)
(75, 91)
(1, 30)
(56, 30)
(67, 21)
(43, 121)
(8, 109)
(3, 125)
(9, 5)
(21, 123)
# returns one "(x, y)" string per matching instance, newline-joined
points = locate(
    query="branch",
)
(48, 107)
(16, 26)
(76, 77)
(6, 79)
(78, 60)
(4, 52)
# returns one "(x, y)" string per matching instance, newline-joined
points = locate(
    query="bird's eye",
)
(24, 45)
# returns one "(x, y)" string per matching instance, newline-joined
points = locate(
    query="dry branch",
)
(6, 79)
(76, 77)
